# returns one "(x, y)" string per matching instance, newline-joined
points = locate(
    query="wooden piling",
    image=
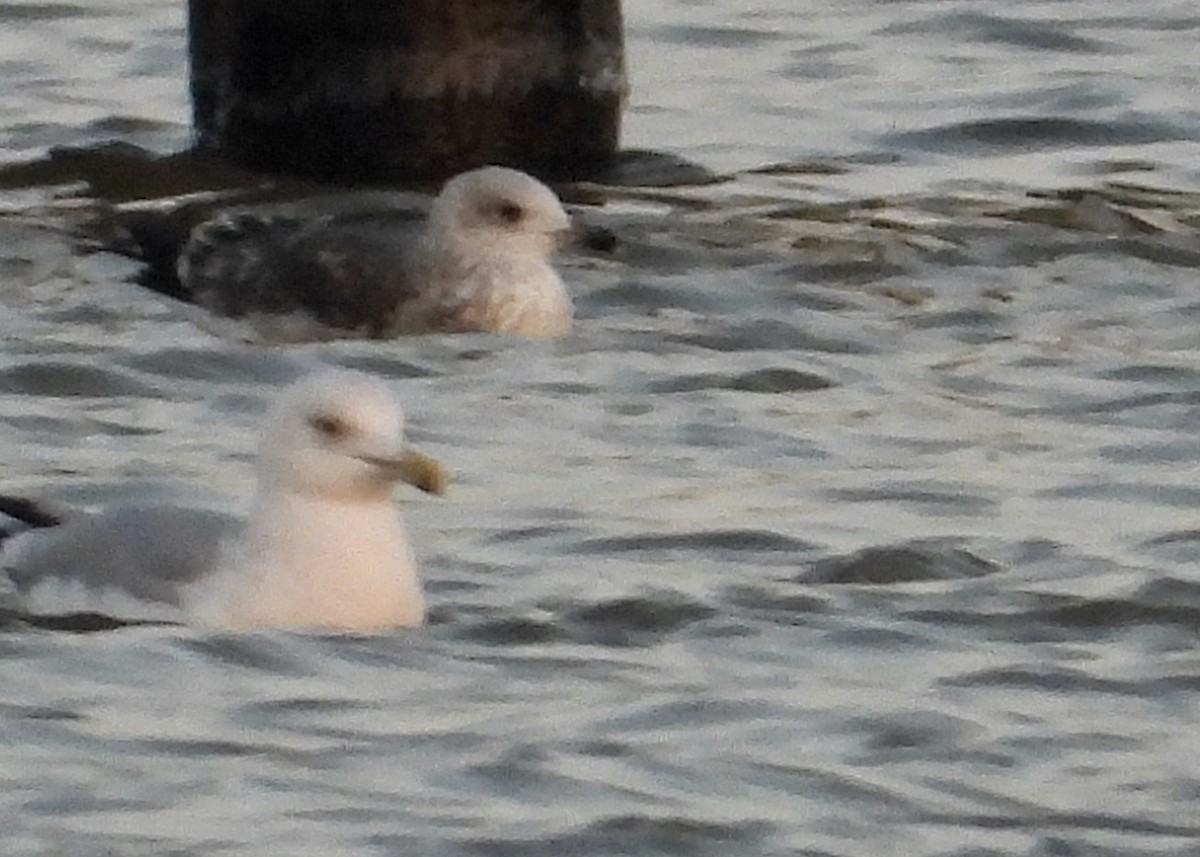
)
(384, 91)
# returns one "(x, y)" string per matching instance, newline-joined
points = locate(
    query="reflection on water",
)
(856, 518)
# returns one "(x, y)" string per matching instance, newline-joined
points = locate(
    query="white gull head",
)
(490, 240)
(324, 546)
(496, 209)
(338, 436)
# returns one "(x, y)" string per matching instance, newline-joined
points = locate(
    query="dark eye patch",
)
(330, 427)
(510, 212)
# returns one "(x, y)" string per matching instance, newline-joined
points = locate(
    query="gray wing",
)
(148, 553)
(346, 273)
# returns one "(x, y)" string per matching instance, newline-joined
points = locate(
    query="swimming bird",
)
(480, 261)
(323, 547)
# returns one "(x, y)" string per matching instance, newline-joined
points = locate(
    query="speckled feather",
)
(481, 261)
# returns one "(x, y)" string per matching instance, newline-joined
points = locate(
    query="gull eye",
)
(329, 427)
(510, 212)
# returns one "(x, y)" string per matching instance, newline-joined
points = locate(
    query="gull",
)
(323, 547)
(481, 260)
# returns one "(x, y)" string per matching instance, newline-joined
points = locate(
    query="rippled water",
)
(857, 517)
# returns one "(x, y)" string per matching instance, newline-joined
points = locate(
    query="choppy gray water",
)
(859, 517)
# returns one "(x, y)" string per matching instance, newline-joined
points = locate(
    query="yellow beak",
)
(416, 469)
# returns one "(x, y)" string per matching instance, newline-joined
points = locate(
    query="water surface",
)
(857, 517)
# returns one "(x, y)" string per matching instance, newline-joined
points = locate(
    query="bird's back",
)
(143, 553)
(345, 275)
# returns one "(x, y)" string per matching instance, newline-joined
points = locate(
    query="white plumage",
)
(323, 547)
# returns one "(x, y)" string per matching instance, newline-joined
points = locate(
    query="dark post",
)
(401, 90)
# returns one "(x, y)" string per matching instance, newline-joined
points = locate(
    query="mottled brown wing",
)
(346, 275)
